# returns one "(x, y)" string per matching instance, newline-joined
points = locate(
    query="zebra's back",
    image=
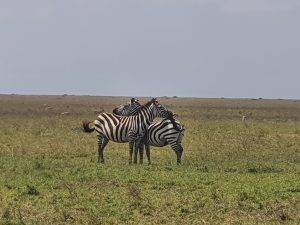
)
(119, 128)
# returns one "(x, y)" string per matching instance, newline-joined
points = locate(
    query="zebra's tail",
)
(86, 127)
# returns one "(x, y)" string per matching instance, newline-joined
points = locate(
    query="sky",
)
(190, 48)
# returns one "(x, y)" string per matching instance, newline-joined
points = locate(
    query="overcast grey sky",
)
(203, 48)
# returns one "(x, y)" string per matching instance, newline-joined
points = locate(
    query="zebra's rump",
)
(162, 133)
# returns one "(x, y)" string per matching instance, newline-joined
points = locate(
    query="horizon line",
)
(164, 96)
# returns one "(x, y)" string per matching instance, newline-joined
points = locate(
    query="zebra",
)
(125, 128)
(166, 132)
(159, 134)
(129, 109)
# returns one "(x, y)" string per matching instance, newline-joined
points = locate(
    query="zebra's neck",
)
(146, 114)
(134, 109)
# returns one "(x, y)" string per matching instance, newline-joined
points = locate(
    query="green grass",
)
(232, 172)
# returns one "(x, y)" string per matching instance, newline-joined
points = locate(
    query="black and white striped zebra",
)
(166, 132)
(125, 128)
(129, 109)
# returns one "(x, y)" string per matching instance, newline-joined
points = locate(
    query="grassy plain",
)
(233, 172)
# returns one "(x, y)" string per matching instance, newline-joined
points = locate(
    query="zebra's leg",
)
(177, 148)
(104, 143)
(100, 139)
(147, 147)
(131, 143)
(179, 153)
(141, 151)
(132, 137)
(136, 149)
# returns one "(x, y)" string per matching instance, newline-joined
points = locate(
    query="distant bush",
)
(31, 190)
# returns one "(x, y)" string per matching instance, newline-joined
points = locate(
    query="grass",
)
(232, 172)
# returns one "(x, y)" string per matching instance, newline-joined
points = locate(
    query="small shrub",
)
(134, 191)
(31, 190)
(252, 170)
(184, 210)
(6, 214)
(284, 216)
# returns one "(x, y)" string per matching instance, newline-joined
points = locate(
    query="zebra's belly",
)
(115, 139)
(119, 139)
(160, 143)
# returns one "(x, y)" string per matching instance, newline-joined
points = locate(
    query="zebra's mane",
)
(135, 108)
(128, 109)
(147, 105)
(153, 100)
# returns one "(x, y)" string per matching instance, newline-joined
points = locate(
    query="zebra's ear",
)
(154, 100)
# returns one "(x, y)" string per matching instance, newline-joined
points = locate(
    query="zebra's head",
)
(129, 109)
(134, 101)
(159, 110)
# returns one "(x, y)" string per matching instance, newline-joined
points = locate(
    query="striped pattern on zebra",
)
(125, 128)
(159, 134)
(129, 109)
(166, 132)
